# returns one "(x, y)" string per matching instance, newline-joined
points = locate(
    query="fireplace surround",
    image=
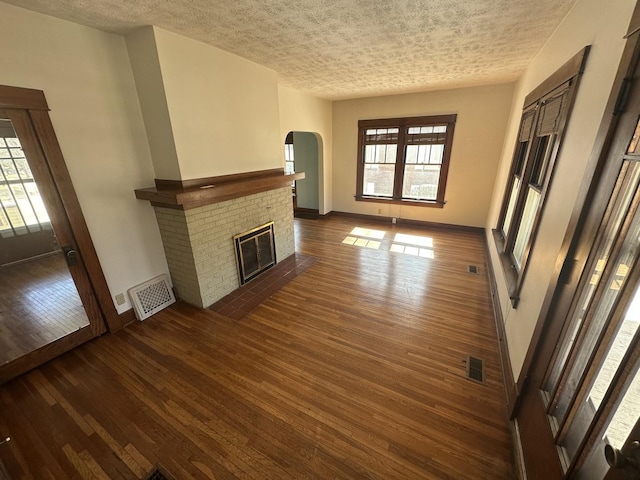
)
(198, 220)
(255, 252)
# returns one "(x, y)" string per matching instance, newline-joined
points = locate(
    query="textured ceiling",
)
(347, 48)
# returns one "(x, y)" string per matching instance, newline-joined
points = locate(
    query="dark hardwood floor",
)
(39, 303)
(354, 369)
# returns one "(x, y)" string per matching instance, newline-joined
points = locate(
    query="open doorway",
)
(302, 154)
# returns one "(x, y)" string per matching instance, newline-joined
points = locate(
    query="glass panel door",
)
(48, 304)
(624, 418)
(591, 388)
(39, 299)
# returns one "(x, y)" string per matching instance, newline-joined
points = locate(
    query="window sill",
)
(508, 268)
(412, 203)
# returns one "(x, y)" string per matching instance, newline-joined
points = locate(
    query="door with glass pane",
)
(591, 390)
(47, 303)
(583, 393)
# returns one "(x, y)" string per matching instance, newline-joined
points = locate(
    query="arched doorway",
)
(302, 154)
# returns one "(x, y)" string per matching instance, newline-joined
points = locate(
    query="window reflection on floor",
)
(415, 245)
(409, 250)
(362, 242)
(416, 240)
(368, 232)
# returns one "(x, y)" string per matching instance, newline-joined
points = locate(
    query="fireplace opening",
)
(255, 252)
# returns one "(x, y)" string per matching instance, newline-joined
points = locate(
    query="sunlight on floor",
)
(414, 245)
(362, 242)
(367, 232)
(408, 250)
(414, 240)
(402, 243)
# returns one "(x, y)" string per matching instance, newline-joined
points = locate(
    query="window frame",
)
(564, 82)
(403, 124)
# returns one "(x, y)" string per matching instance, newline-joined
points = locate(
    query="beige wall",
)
(479, 134)
(224, 109)
(86, 77)
(601, 25)
(304, 113)
(145, 64)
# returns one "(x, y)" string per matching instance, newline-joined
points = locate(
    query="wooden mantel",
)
(187, 194)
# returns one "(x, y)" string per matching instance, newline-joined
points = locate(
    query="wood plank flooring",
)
(354, 369)
(39, 303)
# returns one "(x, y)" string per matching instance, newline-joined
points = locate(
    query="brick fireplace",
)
(199, 219)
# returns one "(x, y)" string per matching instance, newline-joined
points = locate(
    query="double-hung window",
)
(542, 125)
(404, 160)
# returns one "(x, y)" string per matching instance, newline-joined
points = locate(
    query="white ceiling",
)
(340, 49)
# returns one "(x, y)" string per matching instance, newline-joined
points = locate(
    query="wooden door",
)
(45, 186)
(583, 388)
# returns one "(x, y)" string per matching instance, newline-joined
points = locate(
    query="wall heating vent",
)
(472, 269)
(475, 369)
(152, 296)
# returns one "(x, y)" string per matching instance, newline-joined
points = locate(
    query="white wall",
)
(602, 25)
(87, 80)
(224, 109)
(300, 112)
(479, 135)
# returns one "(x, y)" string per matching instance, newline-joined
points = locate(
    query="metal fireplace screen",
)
(255, 252)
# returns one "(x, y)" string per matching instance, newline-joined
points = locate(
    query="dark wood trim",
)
(400, 165)
(405, 221)
(566, 72)
(35, 102)
(359, 163)
(207, 191)
(127, 317)
(51, 148)
(396, 201)
(508, 268)
(579, 214)
(634, 24)
(532, 111)
(572, 88)
(22, 98)
(394, 122)
(570, 73)
(205, 181)
(38, 357)
(510, 387)
(446, 162)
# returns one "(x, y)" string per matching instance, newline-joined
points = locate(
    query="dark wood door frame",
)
(35, 103)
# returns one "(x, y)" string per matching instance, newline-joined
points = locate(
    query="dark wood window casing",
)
(542, 126)
(404, 160)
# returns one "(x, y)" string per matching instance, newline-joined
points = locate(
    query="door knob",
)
(70, 255)
(617, 459)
